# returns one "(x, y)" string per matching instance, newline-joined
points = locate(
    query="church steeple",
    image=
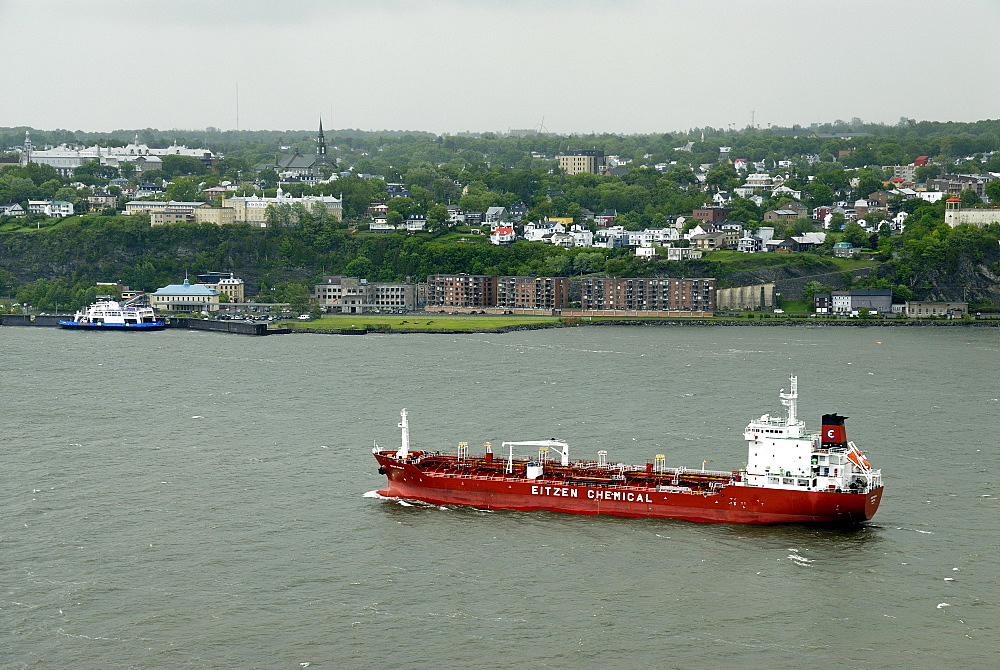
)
(321, 143)
(26, 150)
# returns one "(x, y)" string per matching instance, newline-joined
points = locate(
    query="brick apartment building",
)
(532, 292)
(655, 294)
(461, 290)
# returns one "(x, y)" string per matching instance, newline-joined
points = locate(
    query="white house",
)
(681, 253)
(455, 214)
(11, 209)
(495, 216)
(415, 223)
(535, 231)
(53, 208)
(560, 239)
(614, 237)
(787, 192)
(757, 182)
(503, 235)
(582, 236)
(652, 236)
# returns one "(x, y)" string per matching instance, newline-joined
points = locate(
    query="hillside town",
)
(663, 209)
(682, 237)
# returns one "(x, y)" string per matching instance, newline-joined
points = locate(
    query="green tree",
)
(868, 185)
(185, 189)
(723, 177)
(437, 217)
(820, 194)
(267, 178)
(925, 172)
(837, 220)
(992, 191)
(969, 198)
(174, 166)
(811, 288)
(855, 234)
(361, 266)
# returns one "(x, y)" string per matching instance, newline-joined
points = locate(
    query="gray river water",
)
(186, 499)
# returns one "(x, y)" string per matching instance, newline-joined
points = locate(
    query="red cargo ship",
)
(791, 477)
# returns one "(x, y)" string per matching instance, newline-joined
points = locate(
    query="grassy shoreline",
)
(487, 323)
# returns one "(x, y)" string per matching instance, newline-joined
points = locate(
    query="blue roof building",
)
(186, 297)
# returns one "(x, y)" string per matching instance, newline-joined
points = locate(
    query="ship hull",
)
(73, 325)
(731, 504)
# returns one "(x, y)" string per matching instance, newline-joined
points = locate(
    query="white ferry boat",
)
(109, 314)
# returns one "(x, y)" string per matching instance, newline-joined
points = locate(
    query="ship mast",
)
(788, 399)
(404, 449)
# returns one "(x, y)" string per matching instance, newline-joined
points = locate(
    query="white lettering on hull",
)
(627, 496)
(563, 491)
(592, 494)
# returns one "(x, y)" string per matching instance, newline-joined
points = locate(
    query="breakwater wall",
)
(31, 319)
(237, 327)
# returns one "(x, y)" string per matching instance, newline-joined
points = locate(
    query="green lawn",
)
(741, 261)
(421, 321)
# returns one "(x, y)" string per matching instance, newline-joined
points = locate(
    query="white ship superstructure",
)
(781, 454)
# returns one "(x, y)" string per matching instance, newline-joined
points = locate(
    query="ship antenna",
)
(788, 399)
(404, 449)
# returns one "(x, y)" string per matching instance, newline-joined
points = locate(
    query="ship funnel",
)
(834, 433)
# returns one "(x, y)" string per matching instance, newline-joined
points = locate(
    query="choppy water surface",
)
(197, 500)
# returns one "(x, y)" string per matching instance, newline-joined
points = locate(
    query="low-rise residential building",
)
(875, 300)
(415, 223)
(708, 241)
(605, 218)
(954, 184)
(844, 250)
(757, 183)
(543, 293)
(654, 294)
(98, 202)
(582, 236)
(710, 213)
(652, 236)
(495, 216)
(783, 215)
(536, 230)
(680, 253)
(52, 208)
(806, 241)
(11, 209)
(922, 309)
(822, 303)
(614, 237)
(381, 225)
(503, 236)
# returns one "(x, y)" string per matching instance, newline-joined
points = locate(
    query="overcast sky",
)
(631, 66)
